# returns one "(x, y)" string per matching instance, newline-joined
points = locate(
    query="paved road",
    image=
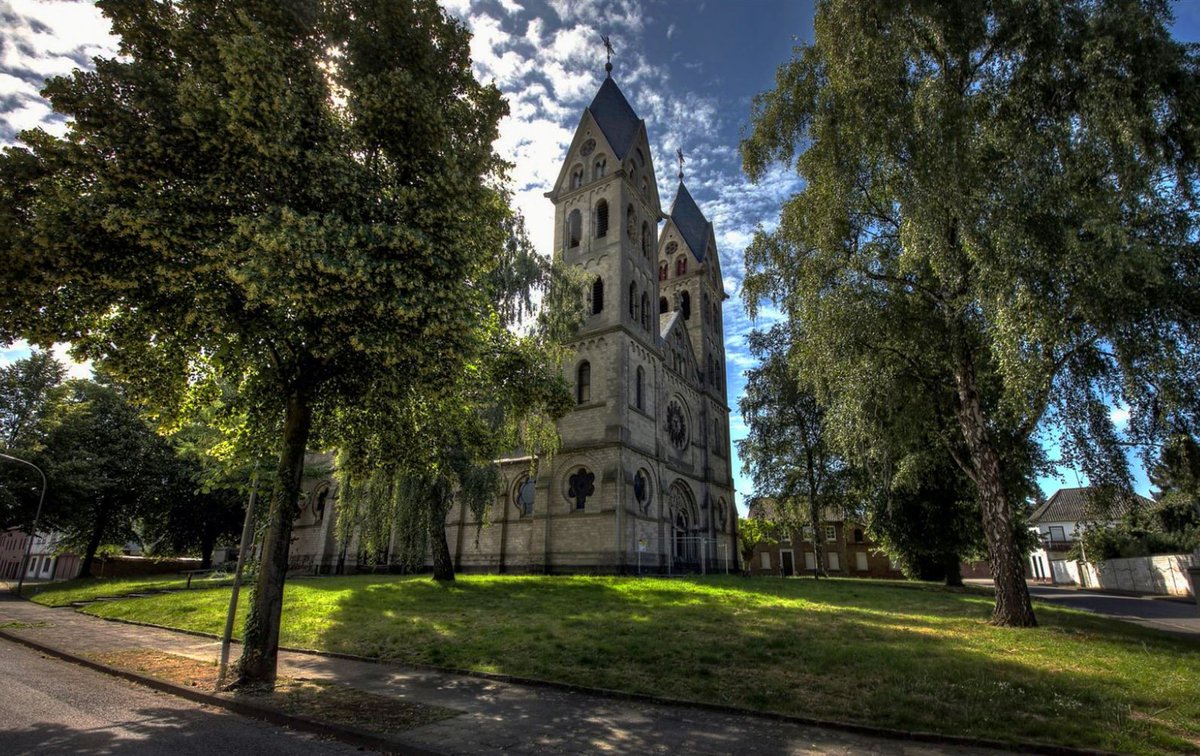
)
(1163, 614)
(48, 706)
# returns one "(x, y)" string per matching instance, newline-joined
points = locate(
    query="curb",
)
(1047, 749)
(353, 736)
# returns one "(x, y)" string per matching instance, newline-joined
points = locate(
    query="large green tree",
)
(29, 388)
(788, 450)
(1000, 197)
(106, 468)
(294, 200)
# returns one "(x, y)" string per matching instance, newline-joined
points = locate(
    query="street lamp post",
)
(36, 516)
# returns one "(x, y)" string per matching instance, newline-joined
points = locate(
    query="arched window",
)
(577, 177)
(681, 266)
(523, 496)
(601, 219)
(630, 221)
(685, 305)
(645, 240)
(583, 383)
(639, 389)
(705, 310)
(574, 229)
(645, 186)
(641, 158)
(597, 296)
(858, 535)
(662, 273)
(718, 374)
(633, 301)
(599, 169)
(645, 311)
(663, 305)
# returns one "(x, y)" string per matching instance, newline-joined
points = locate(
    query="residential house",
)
(844, 543)
(1059, 523)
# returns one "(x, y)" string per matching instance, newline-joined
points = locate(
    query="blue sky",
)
(690, 69)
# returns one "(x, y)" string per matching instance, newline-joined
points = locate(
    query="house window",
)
(663, 305)
(808, 532)
(1057, 533)
(583, 383)
(597, 296)
(601, 219)
(765, 560)
(786, 538)
(574, 228)
(858, 535)
(640, 388)
(833, 560)
(830, 533)
(860, 561)
(810, 560)
(893, 564)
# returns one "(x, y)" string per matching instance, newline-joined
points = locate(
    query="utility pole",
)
(243, 550)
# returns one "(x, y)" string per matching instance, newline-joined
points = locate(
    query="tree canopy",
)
(294, 201)
(999, 210)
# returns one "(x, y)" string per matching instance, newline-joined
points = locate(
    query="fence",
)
(1165, 575)
(684, 555)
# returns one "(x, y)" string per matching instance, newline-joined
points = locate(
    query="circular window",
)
(672, 248)
(588, 147)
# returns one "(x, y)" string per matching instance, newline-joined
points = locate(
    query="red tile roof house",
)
(848, 551)
(1061, 520)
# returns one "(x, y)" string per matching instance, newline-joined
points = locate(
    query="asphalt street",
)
(48, 706)
(1161, 613)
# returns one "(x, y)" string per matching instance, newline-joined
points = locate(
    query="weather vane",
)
(679, 154)
(608, 52)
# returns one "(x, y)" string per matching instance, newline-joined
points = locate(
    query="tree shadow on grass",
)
(899, 658)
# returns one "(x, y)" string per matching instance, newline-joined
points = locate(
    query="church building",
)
(643, 480)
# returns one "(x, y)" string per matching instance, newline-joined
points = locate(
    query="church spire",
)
(679, 155)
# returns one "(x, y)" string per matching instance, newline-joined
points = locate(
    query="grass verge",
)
(886, 656)
(89, 589)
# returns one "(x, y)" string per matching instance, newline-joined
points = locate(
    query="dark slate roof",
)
(615, 117)
(1075, 505)
(692, 224)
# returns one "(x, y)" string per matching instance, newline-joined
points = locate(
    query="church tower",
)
(641, 482)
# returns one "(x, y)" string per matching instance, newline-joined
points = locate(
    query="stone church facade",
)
(643, 479)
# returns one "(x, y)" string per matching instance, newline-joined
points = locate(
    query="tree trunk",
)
(89, 555)
(814, 513)
(443, 565)
(206, 551)
(1013, 608)
(261, 647)
(953, 571)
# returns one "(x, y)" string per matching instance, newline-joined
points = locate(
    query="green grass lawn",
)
(883, 655)
(86, 589)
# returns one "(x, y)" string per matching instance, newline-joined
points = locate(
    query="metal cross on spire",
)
(608, 53)
(679, 155)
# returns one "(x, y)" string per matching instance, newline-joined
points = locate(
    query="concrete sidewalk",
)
(496, 716)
